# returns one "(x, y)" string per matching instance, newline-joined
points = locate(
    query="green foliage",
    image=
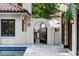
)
(71, 11)
(42, 10)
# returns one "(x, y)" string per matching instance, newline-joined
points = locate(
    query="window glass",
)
(7, 27)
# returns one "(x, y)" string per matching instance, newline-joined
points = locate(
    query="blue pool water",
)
(11, 53)
(12, 50)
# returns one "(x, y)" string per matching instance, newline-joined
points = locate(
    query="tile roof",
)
(9, 7)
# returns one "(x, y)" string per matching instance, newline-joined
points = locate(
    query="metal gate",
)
(43, 35)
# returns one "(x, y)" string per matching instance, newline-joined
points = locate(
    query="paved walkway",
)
(45, 50)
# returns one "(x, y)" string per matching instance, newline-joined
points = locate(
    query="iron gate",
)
(43, 34)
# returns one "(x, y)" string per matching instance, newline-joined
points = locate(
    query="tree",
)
(42, 10)
(71, 11)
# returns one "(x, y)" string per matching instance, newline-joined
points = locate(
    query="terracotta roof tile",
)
(9, 7)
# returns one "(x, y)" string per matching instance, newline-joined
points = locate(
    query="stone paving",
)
(46, 50)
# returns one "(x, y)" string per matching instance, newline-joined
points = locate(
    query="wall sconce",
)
(72, 21)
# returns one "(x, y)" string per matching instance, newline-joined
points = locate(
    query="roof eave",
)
(15, 13)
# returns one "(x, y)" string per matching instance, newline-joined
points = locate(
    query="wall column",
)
(74, 37)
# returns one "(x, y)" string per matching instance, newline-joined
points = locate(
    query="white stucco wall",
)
(28, 6)
(58, 34)
(24, 37)
(50, 33)
(57, 38)
(55, 23)
(29, 35)
(20, 37)
(74, 37)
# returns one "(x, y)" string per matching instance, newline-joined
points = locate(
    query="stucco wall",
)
(57, 38)
(28, 6)
(50, 33)
(58, 34)
(24, 37)
(20, 37)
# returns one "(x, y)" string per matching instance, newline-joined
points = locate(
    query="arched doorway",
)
(40, 33)
(43, 33)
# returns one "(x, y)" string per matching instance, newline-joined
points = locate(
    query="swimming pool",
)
(12, 50)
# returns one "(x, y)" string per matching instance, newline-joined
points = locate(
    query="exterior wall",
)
(57, 38)
(20, 37)
(74, 36)
(24, 37)
(29, 35)
(28, 6)
(50, 31)
(63, 7)
(57, 35)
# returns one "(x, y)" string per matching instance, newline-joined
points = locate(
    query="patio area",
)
(46, 50)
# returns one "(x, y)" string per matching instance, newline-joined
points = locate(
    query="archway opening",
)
(40, 33)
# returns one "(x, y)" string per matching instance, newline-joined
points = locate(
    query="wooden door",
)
(78, 34)
(65, 34)
(69, 35)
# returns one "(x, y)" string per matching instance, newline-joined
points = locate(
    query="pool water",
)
(12, 50)
(12, 53)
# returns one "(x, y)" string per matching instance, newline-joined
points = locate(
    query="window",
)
(7, 27)
(22, 25)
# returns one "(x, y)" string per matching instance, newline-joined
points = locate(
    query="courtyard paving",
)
(46, 50)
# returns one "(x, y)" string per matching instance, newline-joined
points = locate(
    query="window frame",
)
(8, 24)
